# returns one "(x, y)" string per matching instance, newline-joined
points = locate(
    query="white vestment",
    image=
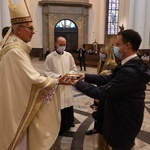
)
(56, 65)
(29, 106)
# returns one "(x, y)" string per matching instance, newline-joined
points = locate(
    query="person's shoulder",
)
(126, 72)
(51, 54)
(132, 66)
(15, 44)
(11, 40)
(67, 53)
(113, 62)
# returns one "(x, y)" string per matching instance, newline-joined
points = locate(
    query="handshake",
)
(71, 79)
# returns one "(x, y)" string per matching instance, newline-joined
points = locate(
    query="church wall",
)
(96, 29)
(124, 11)
(4, 16)
(130, 14)
(139, 12)
(71, 0)
(133, 14)
(146, 40)
(93, 29)
(56, 13)
(0, 21)
(36, 13)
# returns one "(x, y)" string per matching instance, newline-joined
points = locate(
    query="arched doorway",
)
(68, 29)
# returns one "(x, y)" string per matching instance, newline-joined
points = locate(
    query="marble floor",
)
(75, 138)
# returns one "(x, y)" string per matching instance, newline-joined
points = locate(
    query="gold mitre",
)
(19, 13)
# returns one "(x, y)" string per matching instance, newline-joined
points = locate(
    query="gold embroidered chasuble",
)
(28, 101)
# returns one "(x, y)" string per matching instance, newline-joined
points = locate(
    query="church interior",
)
(91, 24)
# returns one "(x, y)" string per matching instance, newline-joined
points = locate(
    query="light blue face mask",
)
(116, 52)
(102, 56)
(61, 49)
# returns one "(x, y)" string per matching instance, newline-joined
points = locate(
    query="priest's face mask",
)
(60, 44)
(25, 31)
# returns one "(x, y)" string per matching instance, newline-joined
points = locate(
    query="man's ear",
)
(18, 29)
(129, 45)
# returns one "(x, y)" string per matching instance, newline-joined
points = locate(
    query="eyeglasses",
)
(30, 28)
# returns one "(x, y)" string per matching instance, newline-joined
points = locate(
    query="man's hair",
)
(57, 38)
(14, 27)
(132, 37)
(5, 30)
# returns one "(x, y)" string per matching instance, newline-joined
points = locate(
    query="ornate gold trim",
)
(21, 20)
(38, 91)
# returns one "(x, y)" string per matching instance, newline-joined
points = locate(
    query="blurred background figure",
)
(46, 53)
(4, 31)
(145, 56)
(139, 54)
(81, 56)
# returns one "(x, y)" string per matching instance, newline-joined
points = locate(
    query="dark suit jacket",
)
(82, 51)
(123, 93)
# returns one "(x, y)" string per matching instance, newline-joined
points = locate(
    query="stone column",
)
(5, 17)
(146, 40)
(102, 12)
(45, 20)
(51, 28)
(138, 18)
(0, 20)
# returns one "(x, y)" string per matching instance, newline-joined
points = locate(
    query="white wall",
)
(96, 21)
(133, 14)
(0, 21)
(4, 16)
(124, 11)
(36, 13)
